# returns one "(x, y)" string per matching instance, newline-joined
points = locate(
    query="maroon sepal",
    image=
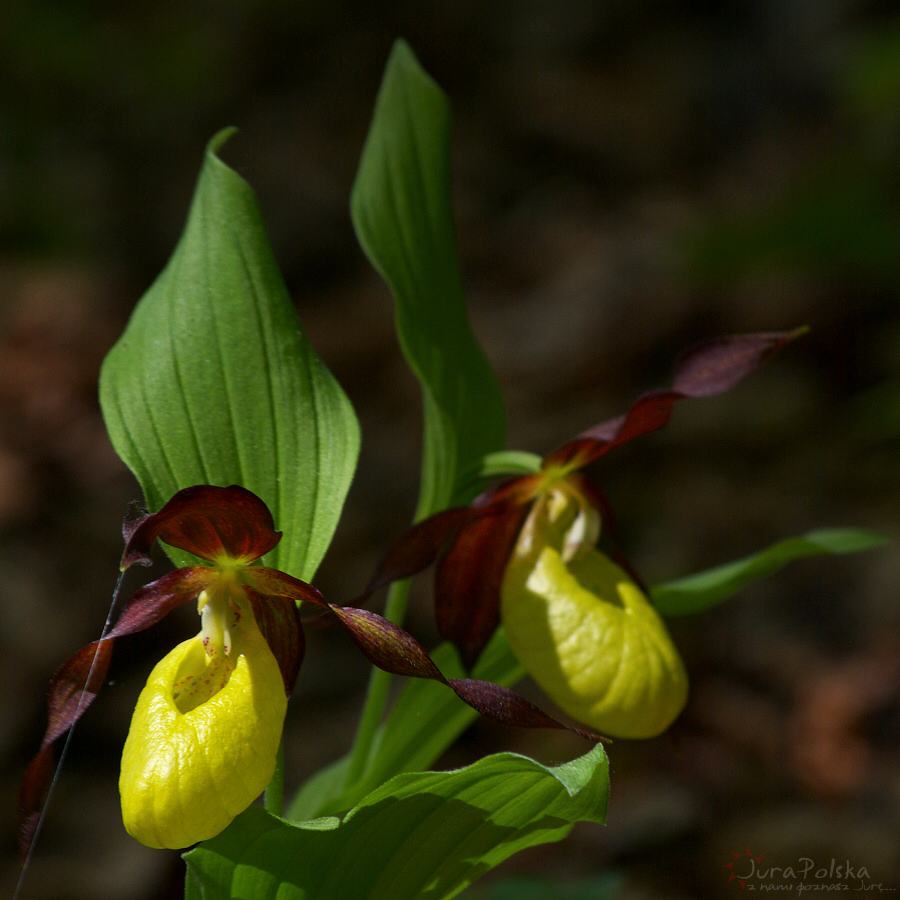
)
(468, 579)
(396, 651)
(417, 548)
(709, 369)
(205, 520)
(278, 619)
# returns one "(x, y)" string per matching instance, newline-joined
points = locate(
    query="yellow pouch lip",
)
(592, 641)
(185, 776)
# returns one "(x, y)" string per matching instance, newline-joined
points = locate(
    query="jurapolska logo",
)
(734, 876)
(806, 875)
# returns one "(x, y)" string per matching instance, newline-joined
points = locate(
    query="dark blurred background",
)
(631, 176)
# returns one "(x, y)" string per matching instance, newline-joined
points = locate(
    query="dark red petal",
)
(396, 651)
(279, 621)
(468, 578)
(72, 690)
(706, 370)
(207, 521)
(154, 601)
(272, 583)
(77, 682)
(508, 708)
(32, 794)
(417, 548)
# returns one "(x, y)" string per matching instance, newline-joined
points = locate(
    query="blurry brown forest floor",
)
(630, 177)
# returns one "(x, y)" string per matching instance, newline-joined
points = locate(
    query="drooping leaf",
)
(705, 589)
(420, 835)
(402, 212)
(214, 382)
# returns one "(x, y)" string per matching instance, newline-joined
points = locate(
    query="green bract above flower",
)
(207, 726)
(523, 554)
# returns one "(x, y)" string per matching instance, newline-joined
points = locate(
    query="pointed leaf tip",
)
(214, 382)
(219, 139)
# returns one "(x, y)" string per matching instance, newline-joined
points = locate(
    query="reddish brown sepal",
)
(208, 521)
(417, 548)
(468, 578)
(709, 369)
(396, 651)
(279, 621)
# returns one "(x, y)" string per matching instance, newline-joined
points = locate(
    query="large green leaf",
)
(425, 835)
(402, 211)
(425, 720)
(214, 382)
(698, 592)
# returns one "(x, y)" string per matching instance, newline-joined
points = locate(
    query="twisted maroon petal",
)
(273, 583)
(396, 651)
(709, 369)
(147, 605)
(72, 690)
(77, 682)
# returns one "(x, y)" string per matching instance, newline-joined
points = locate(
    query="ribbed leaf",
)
(698, 592)
(425, 835)
(402, 211)
(213, 381)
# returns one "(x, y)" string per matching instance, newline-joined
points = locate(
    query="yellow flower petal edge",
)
(185, 776)
(589, 637)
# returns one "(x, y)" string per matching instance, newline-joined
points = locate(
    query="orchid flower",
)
(523, 555)
(207, 726)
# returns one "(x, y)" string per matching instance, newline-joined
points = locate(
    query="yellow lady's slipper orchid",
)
(523, 555)
(586, 633)
(203, 740)
(205, 733)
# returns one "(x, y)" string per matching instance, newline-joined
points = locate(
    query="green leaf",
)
(402, 212)
(698, 592)
(607, 887)
(424, 721)
(214, 382)
(421, 835)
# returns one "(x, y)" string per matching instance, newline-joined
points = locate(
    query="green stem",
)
(376, 693)
(274, 796)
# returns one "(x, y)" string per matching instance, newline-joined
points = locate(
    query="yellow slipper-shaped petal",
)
(186, 775)
(589, 637)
